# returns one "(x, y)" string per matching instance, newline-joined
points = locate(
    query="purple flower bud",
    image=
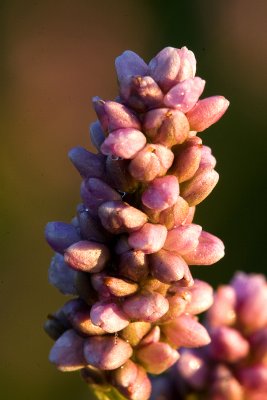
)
(157, 357)
(200, 186)
(166, 127)
(106, 352)
(129, 64)
(209, 250)
(67, 352)
(122, 245)
(148, 307)
(187, 64)
(94, 192)
(222, 312)
(254, 378)
(108, 316)
(162, 193)
(164, 67)
(183, 239)
(96, 135)
(133, 265)
(186, 331)
(131, 379)
(258, 342)
(98, 283)
(152, 161)
(124, 143)
(227, 344)
(206, 112)
(60, 235)
(167, 266)
(193, 369)
(185, 94)
(141, 93)
(118, 175)
(152, 337)
(187, 159)
(84, 288)
(150, 238)
(201, 297)
(117, 116)
(175, 215)
(62, 276)
(90, 226)
(177, 304)
(87, 256)
(54, 327)
(88, 164)
(225, 386)
(134, 332)
(118, 217)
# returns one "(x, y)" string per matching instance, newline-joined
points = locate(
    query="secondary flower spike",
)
(126, 255)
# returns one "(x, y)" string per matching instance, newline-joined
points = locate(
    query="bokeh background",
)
(54, 57)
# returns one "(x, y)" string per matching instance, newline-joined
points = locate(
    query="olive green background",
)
(55, 57)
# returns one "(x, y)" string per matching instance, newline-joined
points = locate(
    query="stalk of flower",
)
(126, 254)
(234, 365)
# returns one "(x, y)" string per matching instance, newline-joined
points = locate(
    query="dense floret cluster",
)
(126, 255)
(234, 365)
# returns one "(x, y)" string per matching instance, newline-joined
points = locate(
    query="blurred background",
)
(55, 57)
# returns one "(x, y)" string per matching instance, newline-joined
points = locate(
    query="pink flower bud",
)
(87, 256)
(148, 307)
(118, 217)
(106, 352)
(119, 287)
(209, 250)
(185, 94)
(124, 143)
(152, 337)
(62, 276)
(186, 331)
(175, 215)
(164, 67)
(201, 297)
(96, 135)
(167, 266)
(207, 159)
(130, 64)
(228, 345)
(94, 192)
(200, 186)
(150, 238)
(119, 117)
(133, 265)
(67, 352)
(187, 64)
(183, 239)
(141, 93)
(193, 369)
(157, 357)
(177, 304)
(206, 112)
(254, 378)
(88, 164)
(161, 193)
(190, 215)
(222, 312)
(166, 127)
(131, 379)
(187, 159)
(108, 316)
(134, 332)
(225, 386)
(258, 342)
(60, 235)
(152, 161)
(154, 285)
(97, 281)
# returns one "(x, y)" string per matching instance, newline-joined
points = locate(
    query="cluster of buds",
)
(234, 365)
(126, 255)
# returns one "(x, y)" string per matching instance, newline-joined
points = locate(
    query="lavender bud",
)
(106, 352)
(254, 378)
(147, 307)
(90, 226)
(175, 215)
(120, 287)
(134, 332)
(162, 193)
(193, 369)
(108, 316)
(167, 266)
(187, 64)
(225, 386)
(228, 345)
(209, 250)
(60, 235)
(185, 94)
(157, 357)
(129, 64)
(117, 116)
(96, 135)
(201, 297)
(118, 217)
(88, 164)
(67, 352)
(150, 238)
(152, 337)
(164, 67)
(133, 265)
(222, 312)
(118, 175)
(87, 256)
(183, 239)
(62, 276)
(124, 143)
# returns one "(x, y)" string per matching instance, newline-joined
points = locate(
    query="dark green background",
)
(55, 57)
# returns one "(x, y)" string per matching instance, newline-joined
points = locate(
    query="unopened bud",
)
(209, 250)
(88, 164)
(227, 344)
(108, 316)
(96, 135)
(162, 193)
(129, 64)
(157, 357)
(187, 64)
(183, 239)
(62, 276)
(150, 238)
(60, 235)
(164, 67)
(167, 266)
(124, 143)
(134, 332)
(201, 297)
(133, 265)
(185, 94)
